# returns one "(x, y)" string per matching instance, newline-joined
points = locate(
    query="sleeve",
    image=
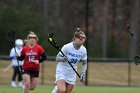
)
(84, 57)
(23, 51)
(64, 49)
(42, 58)
(12, 54)
(43, 55)
(22, 56)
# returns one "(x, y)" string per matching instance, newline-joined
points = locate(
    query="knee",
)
(62, 90)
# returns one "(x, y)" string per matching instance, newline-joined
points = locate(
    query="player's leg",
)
(61, 84)
(26, 80)
(20, 84)
(69, 88)
(34, 81)
(13, 83)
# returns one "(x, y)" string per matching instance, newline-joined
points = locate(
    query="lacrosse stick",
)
(137, 57)
(12, 40)
(54, 44)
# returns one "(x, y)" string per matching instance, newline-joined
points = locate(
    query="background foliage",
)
(107, 19)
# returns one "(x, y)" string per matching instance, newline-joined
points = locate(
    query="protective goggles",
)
(81, 37)
(32, 36)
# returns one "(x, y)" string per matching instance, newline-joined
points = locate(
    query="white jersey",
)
(12, 55)
(74, 56)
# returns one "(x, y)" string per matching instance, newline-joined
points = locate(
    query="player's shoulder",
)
(39, 46)
(24, 47)
(68, 44)
(12, 50)
(83, 48)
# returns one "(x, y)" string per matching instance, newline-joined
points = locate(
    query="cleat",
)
(13, 84)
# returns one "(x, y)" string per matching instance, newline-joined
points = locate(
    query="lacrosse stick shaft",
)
(12, 38)
(132, 35)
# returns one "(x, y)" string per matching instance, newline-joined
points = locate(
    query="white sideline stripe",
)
(7, 68)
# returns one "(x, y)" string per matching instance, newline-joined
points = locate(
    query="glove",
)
(64, 59)
(82, 77)
(61, 59)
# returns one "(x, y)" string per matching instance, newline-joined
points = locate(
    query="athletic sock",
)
(55, 89)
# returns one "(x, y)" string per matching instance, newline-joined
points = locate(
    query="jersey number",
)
(31, 58)
(74, 61)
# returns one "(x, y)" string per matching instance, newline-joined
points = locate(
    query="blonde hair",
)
(32, 34)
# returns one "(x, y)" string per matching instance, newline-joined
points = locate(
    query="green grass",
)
(77, 89)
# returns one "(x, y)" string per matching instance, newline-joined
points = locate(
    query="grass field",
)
(77, 89)
(104, 75)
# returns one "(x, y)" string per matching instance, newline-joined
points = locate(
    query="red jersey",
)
(31, 54)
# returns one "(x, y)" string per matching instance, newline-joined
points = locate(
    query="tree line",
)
(107, 19)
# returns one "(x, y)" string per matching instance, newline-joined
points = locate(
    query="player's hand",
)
(35, 61)
(16, 55)
(82, 77)
(64, 59)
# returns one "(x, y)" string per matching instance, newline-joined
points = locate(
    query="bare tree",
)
(134, 25)
(118, 27)
(105, 29)
(45, 16)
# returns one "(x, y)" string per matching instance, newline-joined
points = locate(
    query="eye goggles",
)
(31, 37)
(81, 37)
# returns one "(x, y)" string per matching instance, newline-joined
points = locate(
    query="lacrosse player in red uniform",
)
(33, 54)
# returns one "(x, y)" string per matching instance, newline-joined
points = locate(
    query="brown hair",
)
(77, 33)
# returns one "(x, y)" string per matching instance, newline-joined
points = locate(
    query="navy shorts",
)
(31, 73)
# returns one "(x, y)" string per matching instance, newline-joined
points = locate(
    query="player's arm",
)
(84, 66)
(84, 62)
(60, 58)
(42, 58)
(83, 71)
(21, 57)
(12, 54)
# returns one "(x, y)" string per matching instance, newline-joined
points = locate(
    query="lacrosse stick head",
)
(137, 59)
(11, 36)
(50, 39)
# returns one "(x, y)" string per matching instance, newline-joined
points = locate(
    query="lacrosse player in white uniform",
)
(74, 52)
(16, 71)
